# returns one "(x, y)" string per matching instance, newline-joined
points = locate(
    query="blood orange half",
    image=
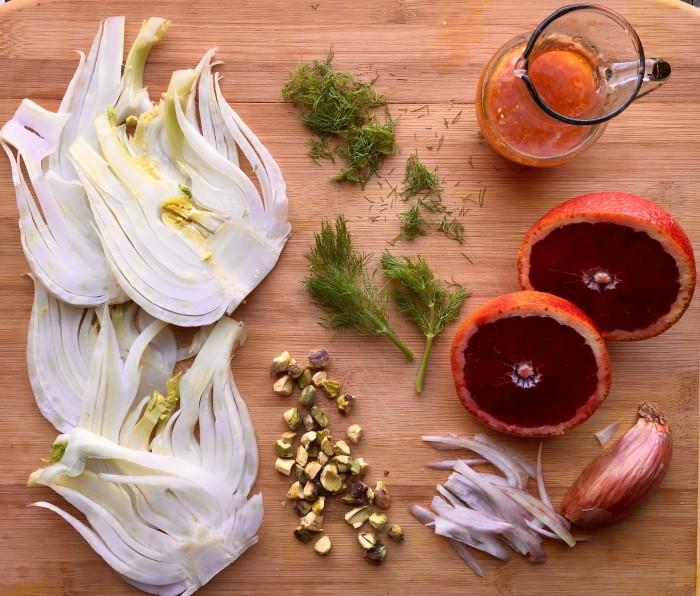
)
(530, 364)
(621, 258)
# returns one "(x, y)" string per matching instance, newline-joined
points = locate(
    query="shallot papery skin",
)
(617, 481)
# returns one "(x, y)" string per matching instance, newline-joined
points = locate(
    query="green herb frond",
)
(419, 178)
(338, 282)
(334, 104)
(413, 224)
(428, 302)
(453, 229)
(320, 149)
(365, 148)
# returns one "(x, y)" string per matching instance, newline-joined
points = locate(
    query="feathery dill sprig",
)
(364, 149)
(419, 178)
(413, 224)
(338, 282)
(427, 301)
(337, 107)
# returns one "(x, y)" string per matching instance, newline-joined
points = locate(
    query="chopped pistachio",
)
(312, 469)
(341, 448)
(312, 522)
(319, 504)
(382, 498)
(295, 492)
(301, 508)
(295, 370)
(323, 545)
(289, 436)
(358, 516)
(308, 421)
(308, 396)
(313, 450)
(280, 363)
(364, 466)
(378, 521)
(330, 480)
(308, 438)
(284, 466)
(319, 377)
(332, 388)
(348, 500)
(376, 555)
(322, 458)
(327, 446)
(318, 358)
(396, 533)
(302, 455)
(359, 494)
(292, 418)
(302, 534)
(367, 540)
(345, 403)
(310, 491)
(355, 467)
(305, 379)
(284, 385)
(343, 462)
(354, 433)
(283, 449)
(322, 434)
(301, 474)
(319, 416)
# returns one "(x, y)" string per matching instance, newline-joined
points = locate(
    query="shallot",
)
(618, 480)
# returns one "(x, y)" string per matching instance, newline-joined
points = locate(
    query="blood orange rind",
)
(530, 304)
(637, 214)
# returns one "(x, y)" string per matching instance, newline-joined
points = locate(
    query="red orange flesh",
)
(622, 259)
(530, 364)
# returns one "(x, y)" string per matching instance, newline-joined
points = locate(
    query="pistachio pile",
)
(323, 467)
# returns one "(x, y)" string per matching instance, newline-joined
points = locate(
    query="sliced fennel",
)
(186, 253)
(128, 199)
(71, 355)
(58, 236)
(165, 525)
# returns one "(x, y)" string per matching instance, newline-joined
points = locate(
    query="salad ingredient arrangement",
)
(620, 258)
(530, 364)
(325, 468)
(620, 478)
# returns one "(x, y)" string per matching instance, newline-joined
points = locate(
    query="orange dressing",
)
(516, 126)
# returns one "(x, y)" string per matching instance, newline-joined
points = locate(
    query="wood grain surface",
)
(423, 53)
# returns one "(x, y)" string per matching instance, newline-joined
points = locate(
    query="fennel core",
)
(338, 282)
(427, 301)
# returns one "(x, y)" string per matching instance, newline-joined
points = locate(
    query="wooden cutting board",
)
(423, 53)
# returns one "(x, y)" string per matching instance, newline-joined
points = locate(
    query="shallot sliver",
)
(515, 474)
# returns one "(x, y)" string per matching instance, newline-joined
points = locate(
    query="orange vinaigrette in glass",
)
(545, 98)
(516, 127)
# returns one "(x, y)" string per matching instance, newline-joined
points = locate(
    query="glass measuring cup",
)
(544, 98)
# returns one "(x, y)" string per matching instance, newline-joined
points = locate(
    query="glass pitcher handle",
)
(656, 73)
